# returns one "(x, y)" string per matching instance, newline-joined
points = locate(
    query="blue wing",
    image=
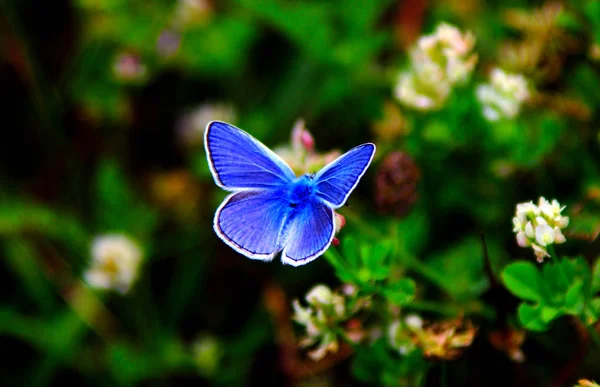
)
(239, 161)
(338, 179)
(308, 233)
(251, 222)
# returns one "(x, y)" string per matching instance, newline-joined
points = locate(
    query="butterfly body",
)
(270, 209)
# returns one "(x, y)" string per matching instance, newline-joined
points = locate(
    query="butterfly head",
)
(302, 190)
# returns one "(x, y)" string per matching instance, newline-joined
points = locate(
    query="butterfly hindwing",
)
(308, 233)
(338, 179)
(239, 161)
(251, 222)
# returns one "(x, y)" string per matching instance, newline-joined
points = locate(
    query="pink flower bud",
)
(340, 222)
(301, 138)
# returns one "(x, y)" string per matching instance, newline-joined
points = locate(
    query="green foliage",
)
(563, 287)
(115, 198)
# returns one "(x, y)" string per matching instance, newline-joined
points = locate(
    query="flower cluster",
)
(503, 96)
(189, 13)
(300, 154)
(325, 313)
(438, 62)
(402, 332)
(115, 263)
(444, 340)
(128, 67)
(539, 226)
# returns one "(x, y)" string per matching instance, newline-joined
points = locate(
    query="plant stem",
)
(443, 375)
(364, 227)
(593, 334)
(552, 252)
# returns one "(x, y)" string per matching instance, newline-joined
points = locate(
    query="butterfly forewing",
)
(309, 233)
(238, 161)
(336, 181)
(251, 222)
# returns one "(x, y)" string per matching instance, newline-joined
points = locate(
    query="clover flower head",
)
(539, 226)
(325, 313)
(115, 263)
(168, 43)
(503, 96)
(128, 67)
(438, 62)
(413, 322)
(400, 338)
(189, 13)
(443, 340)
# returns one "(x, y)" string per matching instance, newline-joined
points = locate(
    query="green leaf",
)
(376, 260)
(412, 232)
(117, 206)
(549, 313)
(556, 279)
(596, 277)
(23, 261)
(459, 270)
(592, 311)
(575, 298)
(401, 292)
(524, 280)
(530, 317)
(341, 270)
(308, 25)
(350, 250)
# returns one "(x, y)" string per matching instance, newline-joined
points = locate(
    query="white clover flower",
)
(413, 322)
(191, 125)
(400, 338)
(523, 240)
(558, 235)
(529, 230)
(319, 294)
(438, 62)
(115, 263)
(301, 315)
(544, 235)
(322, 318)
(539, 226)
(540, 252)
(503, 96)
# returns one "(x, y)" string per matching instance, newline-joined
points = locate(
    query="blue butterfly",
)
(270, 209)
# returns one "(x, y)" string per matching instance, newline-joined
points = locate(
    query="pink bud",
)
(340, 221)
(307, 140)
(335, 242)
(301, 138)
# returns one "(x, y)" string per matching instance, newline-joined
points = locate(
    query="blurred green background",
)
(105, 103)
